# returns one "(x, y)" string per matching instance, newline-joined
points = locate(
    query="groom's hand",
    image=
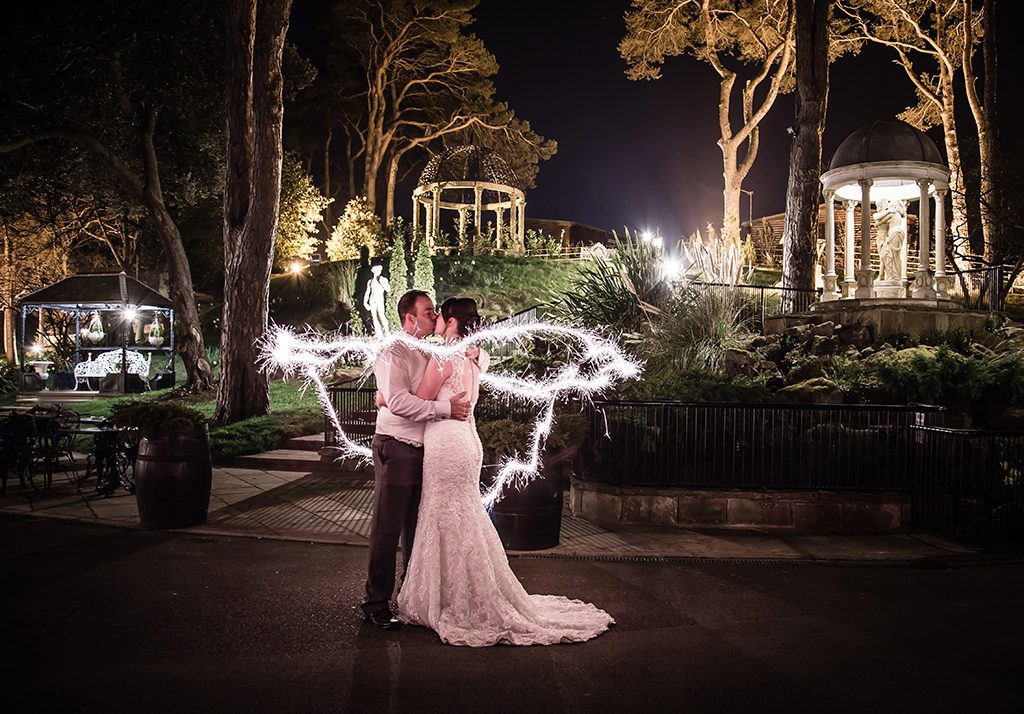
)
(460, 407)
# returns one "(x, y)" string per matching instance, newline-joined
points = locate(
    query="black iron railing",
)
(761, 301)
(978, 289)
(752, 446)
(356, 411)
(964, 485)
(969, 485)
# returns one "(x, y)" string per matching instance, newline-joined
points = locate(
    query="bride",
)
(459, 582)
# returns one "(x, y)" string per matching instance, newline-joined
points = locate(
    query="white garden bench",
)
(110, 363)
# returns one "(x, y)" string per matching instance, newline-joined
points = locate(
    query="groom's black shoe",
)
(382, 619)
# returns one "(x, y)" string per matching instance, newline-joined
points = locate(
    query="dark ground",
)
(106, 620)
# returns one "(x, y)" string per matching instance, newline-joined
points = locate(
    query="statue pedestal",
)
(890, 289)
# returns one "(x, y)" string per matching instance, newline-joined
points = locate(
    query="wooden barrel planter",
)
(173, 473)
(531, 518)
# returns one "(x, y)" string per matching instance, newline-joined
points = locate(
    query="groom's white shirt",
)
(399, 371)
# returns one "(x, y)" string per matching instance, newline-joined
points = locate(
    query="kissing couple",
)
(426, 462)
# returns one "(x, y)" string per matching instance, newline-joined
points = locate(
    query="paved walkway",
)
(261, 501)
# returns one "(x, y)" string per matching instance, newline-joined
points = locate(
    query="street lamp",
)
(750, 207)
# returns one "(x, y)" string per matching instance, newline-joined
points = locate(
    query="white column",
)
(923, 279)
(428, 215)
(849, 276)
(941, 287)
(499, 221)
(865, 276)
(513, 224)
(477, 195)
(462, 226)
(415, 215)
(828, 291)
(521, 238)
(435, 219)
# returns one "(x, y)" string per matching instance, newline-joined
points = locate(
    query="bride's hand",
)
(473, 352)
(378, 399)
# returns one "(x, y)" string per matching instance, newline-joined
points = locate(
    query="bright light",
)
(652, 238)
(37, 349)
(671, 268)
(129, 313)
(595, 364)
(295, 267)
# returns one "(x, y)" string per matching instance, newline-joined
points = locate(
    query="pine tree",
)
(398, 277)
(423, 275)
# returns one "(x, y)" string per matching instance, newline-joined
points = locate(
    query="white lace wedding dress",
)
(459, 582)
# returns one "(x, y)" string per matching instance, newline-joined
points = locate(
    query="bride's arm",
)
(433, 378)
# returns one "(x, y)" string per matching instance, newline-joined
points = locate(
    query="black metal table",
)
(109, 460)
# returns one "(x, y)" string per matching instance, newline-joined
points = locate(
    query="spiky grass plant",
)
(703, 324)
(625, 292)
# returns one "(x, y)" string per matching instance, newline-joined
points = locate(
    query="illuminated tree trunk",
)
(256, 33)
(7, 288)
(980, 110)
(803, 189)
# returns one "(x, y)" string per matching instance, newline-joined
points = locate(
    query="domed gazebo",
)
(888, 164)
(465, 178)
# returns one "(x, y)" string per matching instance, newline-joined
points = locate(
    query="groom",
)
(398, 454)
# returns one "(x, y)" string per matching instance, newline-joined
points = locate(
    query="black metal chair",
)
(17, 439)
(55, 435)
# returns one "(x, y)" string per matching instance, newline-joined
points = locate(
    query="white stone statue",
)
(375, 300)
(890, 234)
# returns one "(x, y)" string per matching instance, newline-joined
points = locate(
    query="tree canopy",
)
(404, 78)
(750, 37)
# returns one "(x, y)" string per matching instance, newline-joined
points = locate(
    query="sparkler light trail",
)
(595, 365)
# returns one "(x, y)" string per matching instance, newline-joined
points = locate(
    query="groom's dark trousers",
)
(397, 482)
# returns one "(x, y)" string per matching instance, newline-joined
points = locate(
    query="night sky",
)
(641, 154)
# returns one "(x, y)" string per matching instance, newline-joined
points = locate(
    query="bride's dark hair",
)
(464, 311)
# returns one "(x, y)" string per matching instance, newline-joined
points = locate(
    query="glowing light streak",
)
(595, 365)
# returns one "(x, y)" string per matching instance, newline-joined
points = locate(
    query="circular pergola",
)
(468, 178)
(887, 164)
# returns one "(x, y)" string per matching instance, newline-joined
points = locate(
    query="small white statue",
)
(890, 232)
(375, 300)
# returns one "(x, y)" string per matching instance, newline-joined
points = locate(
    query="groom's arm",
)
(399, 395)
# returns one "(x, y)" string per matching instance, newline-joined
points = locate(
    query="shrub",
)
(156, 418)
(358, 226)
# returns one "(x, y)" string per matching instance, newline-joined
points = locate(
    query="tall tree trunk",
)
(198, 374)
(328, 209)
(959, 231)
(350, 165)
(982, 119)
(256, 33)
(803, 188)
(7, 270)
(371, 171)
(389, 200)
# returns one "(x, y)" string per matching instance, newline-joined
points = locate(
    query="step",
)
(301, 460)
(331, 463)
(52, 396)
(309, 442)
